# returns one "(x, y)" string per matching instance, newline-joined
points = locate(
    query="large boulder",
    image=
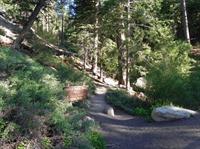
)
(168, 113)
(141, 83)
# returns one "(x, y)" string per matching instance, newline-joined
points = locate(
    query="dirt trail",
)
(127, 132)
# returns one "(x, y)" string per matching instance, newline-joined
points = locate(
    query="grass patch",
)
(96, 140)
(133, 106)
(122, 100)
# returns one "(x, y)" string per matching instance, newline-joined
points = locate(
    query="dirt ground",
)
(128, 132)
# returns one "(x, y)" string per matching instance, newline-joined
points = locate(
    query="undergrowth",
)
(137, 107)
(33, 108)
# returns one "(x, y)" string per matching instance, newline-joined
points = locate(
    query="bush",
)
(32, 98)
(137, 107)
(46, 143)
(2, 127)
(142, 111)
(170, 78)
(74, 77)
(96, 140)
(2, 32)
(11, 132)
(122, 100)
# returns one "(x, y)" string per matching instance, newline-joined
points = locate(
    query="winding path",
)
(127, 132)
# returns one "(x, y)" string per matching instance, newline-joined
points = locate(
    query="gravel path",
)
(127, 132)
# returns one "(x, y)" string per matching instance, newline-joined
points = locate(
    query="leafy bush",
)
(170, 78)
(2, 127)
(96, 140)
(32, 98)
(142, 111)
(22, 145)
(46, 143)
(124, 101)
(72, 77)
(10, 132)
(2, 32)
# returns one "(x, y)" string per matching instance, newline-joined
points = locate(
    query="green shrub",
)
(142, 111)
(96, 140)
(170, 78)
(11, 132)
(22, 145)
(33, 95)
(2, 32)
(122, 100)
(2, 126)
(46, 143)
(70, 76)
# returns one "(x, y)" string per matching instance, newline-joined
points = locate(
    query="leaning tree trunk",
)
(29, 24)
(185, 20)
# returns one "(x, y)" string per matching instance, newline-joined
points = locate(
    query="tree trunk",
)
(27, 26)
(185, 20)
(121, 38)
(96, 40)
(85, 57)
(62, 30)
(127, 52)
(47, 23)
(43, 23)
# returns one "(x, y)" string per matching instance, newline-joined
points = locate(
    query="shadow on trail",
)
(128, 132)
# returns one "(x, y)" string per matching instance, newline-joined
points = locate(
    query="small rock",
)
(87, 118)
(109, 111)
(5, 40)
(110, 81)
(141, 96)
(100, 90)
(141, 83)
(168, 113)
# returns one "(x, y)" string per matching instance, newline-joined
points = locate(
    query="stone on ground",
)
(111, 81)
(109, 111)
(5, 40)
(169, 113)
(141, 83)
(100, 90)
(88, 119)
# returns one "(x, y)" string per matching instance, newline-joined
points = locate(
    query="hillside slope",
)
(33, 109)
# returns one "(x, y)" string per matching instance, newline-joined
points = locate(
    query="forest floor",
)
(128, 132)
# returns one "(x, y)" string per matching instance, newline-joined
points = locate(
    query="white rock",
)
(109, 111)
(141, 83)
(168, 113)
(5, 40)
(87, 118)
(100, 90)
(110, 81)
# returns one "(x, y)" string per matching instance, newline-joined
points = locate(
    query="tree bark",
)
(128, 42)
(47, 22)
(62, 30)
(185, 20)
(96, 39)
(85, 57)
(121, 38)
(27, 26)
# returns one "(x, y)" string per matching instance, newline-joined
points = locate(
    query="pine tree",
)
(27, 26)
